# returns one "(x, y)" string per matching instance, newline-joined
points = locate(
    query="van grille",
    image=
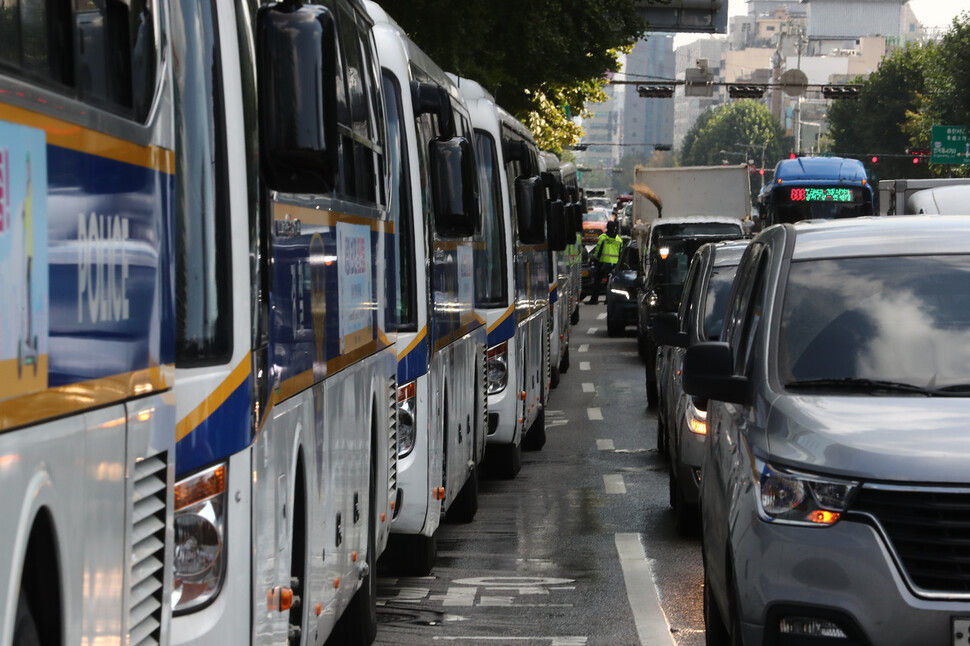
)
(929, 530)
(147, 551)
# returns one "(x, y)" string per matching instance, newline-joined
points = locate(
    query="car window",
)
(691, 286)
(716, 300)
(629, 259)
(752, 314)
(740, 297)
(903, 319)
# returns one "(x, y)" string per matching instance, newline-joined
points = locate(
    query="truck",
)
(814, 188)
(689, 191)
(914, 196)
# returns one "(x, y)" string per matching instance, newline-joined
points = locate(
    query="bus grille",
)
(392, 439)
(929, 530)
(147, 551)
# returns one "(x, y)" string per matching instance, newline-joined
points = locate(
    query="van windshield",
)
(894, 319)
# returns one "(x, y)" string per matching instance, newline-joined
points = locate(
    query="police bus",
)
(514, 279)
(432, 262)
(199, 398)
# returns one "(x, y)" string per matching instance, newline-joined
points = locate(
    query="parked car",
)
(621, 286)
(670, 243)
(681, 419)
(834, 498)
(594, 223)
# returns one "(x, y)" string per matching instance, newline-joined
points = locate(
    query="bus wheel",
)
(505, 460)
(574, 318)
(410, 554)
(564, 362)
(554, 373)
(465, 505)
(535, 439)
(24, 627)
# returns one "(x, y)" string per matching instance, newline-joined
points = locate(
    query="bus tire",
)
(535, 439)
(24, 626)
(574, 317)
(505, 460)
(465, 505)
(564, 362)
(410, 554)
(554, 376)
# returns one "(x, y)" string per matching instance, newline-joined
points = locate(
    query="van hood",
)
(912, 438)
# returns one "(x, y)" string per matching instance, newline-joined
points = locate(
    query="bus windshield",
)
(794, 203)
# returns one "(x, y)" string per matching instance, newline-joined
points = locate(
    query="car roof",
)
(880, 236)
(729, 253)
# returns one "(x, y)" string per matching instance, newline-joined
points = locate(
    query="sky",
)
(932, 13)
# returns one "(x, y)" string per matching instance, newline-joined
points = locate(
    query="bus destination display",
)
(821, 194)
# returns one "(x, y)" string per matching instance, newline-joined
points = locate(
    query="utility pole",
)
(800, 42)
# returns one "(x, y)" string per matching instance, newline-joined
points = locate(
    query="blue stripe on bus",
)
(224, 433)
(414, 363)
(504, 331)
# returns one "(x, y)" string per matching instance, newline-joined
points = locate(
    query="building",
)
(646, 122)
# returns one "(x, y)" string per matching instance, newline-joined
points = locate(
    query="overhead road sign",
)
(707, 16)
(949, 145)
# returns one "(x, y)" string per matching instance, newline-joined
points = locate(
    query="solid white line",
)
(614, 483)
(588, 387)
(584, 365)
(594, 414)
(584, 347)
(591, 330)
(605, 445)
(652, 626)
(601, 316)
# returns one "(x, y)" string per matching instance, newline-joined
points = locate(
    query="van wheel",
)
(24, 626)
(465, 505)
(715, 632)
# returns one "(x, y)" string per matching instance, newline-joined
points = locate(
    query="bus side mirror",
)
(431, 98)
(454, 187)
(556, 225)
(297, 62)
(529, 197)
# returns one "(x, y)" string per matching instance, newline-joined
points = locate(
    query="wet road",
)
(581, 548)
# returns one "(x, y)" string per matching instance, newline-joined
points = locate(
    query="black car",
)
(621, 290)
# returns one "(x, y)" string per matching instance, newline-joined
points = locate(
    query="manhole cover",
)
(395, 615)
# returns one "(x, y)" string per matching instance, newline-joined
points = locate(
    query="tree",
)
(548, 58)
(875, 125)
(741, 126)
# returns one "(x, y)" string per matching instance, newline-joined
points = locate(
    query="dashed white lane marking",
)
(584, 347)
(601, 316)
(588, 387)
(652, 625)
(591, 330)
(614, 483)
(605, 445)
(594, 414)
(584, 365)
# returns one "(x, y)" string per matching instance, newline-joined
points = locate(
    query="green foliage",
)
(741, 127)
(875, 123)
(915, 88)
(542, 62)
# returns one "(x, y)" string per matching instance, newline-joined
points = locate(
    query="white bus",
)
(87, 324)
(516, 269)
(432, 284)
(285, 374)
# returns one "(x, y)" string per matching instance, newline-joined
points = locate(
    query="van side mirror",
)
(431, 98)
(516, 150)
(297, 62)
(556, 225)
(709, 373)
(665, 329)
(454, 187)
(529, 198)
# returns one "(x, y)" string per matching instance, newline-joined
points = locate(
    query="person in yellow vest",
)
(606, 253)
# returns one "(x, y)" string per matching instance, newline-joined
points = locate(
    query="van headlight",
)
(200, 524)
(498, 367)
(406, 429)
(801, 499)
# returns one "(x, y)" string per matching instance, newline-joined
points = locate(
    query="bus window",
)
(492, 281)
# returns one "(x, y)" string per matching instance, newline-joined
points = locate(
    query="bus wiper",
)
(956, 390)
(861, 385)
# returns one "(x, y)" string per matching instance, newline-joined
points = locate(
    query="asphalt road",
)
(580, 548)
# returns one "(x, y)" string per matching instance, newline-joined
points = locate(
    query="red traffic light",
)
(792, 156)
(761, 171)
(875, 159)
(915, 160)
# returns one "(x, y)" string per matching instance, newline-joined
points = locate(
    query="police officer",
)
(606, 253)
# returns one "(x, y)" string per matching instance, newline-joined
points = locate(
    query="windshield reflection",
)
(902, 318)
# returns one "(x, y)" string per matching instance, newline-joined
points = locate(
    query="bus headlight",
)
(406, 430)
(200, 524)
(498, 367)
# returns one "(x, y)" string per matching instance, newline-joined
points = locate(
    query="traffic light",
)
(792, 156)
(746, 90)
(875, 159)
(655, 91)
(840, 91)
(918, 153)
(661, 147)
